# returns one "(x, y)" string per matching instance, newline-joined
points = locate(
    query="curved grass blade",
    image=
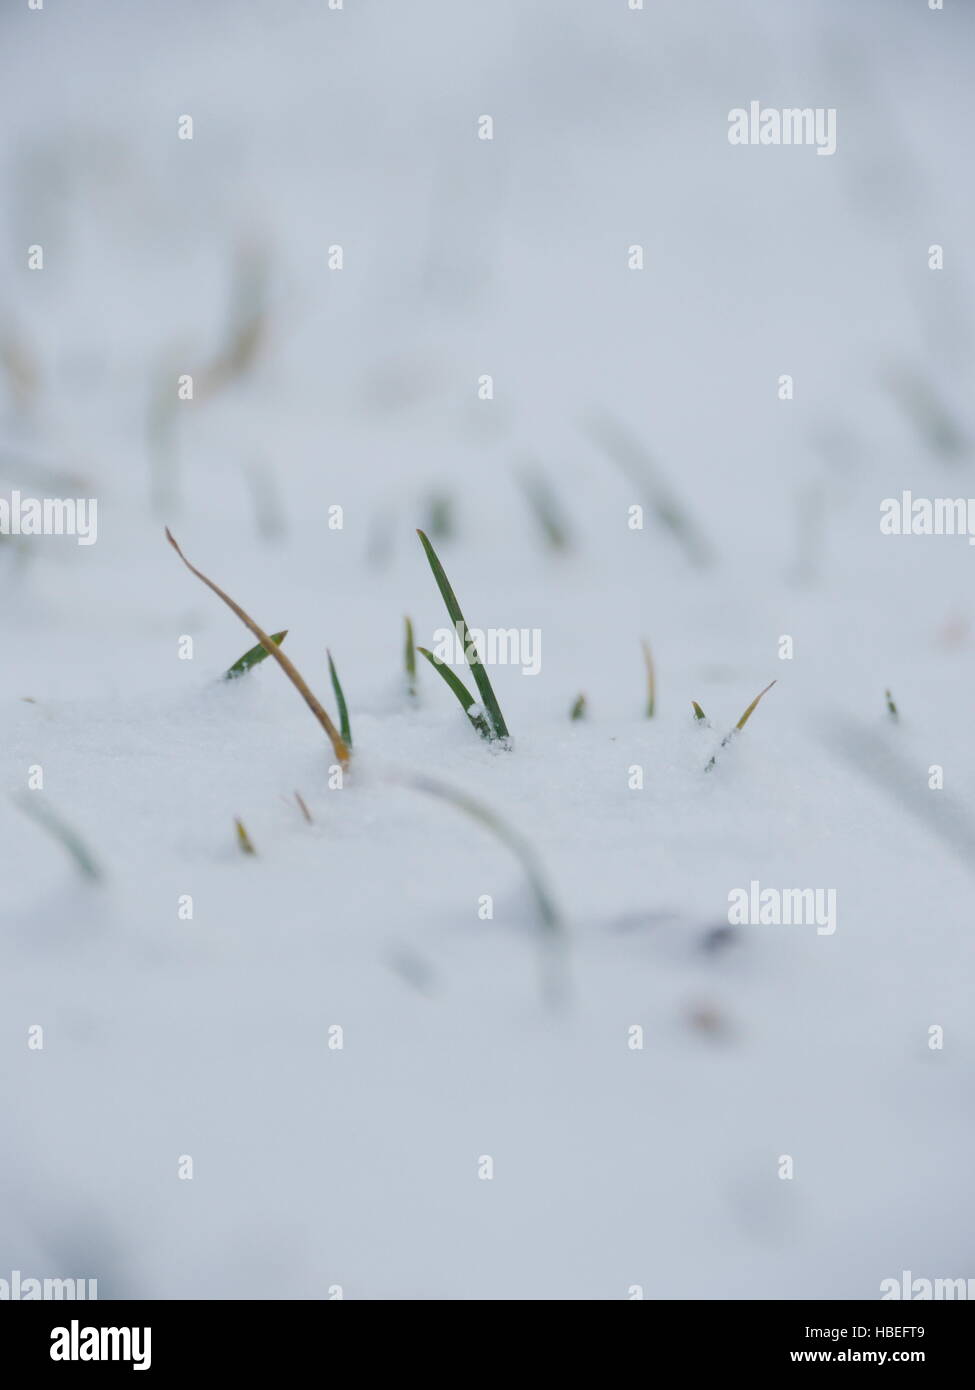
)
(339, 746)
(740, 725)
(252, 658)
(69, 839)
(578, 710)
(549, 916)
(460, 690)
(340, 700)
(488, 698)
(699, 714)
(553, 935)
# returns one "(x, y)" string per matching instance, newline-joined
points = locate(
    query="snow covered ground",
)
(361, 1168)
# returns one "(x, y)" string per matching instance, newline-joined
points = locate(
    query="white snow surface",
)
(614, 1167)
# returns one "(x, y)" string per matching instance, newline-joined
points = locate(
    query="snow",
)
(316, 1166)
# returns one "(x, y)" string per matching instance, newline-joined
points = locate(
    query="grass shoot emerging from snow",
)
(891, 707)
(498, 729)
(252, 658)
(344, 725)
(578, 710)
(460, 690)
(740, 725)
(339, 746)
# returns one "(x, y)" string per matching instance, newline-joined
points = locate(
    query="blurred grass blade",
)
(651, 681)
(252, 658)
(304, 809)
(544, 508)
(440, 516)
(67, 838)
(698, 712)
(635, 462)
(340, 700)
(552, 933)
(409, 658)
(243, 839)
(549, 915)
(891, 707)
(460, 690)
(247, 326)
(339, 746)
(488, 698)
(920, 399)
(578, 710)
(868, 750)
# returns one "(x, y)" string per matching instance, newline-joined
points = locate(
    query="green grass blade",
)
(578, 710)
(344, 728)
(460, 690)
(488, 698)
(651, 681)
(891, 707)
(409, 658)
(67, 838)
(252, 658)
(699, 714)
